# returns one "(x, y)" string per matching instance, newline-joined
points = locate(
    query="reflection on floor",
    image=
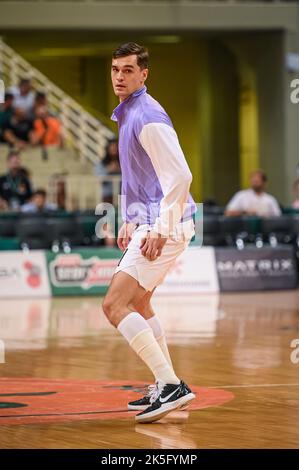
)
(237, 342)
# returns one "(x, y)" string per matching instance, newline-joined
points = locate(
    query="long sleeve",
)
(161, 143)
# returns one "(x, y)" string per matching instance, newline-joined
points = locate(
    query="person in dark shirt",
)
(17, 130)
(6, 111)
(15, 187)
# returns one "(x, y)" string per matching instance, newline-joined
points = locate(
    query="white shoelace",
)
(154, 391)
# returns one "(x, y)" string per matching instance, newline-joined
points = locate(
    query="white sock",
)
(141, 338)
(159, 334)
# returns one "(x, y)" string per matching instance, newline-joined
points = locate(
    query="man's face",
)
(256, 182)
(126, 75)
(14, 163)
(41, 112)
(39, 200)
(25, 88)
(113, 149)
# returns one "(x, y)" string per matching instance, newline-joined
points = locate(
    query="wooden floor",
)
(237, 343)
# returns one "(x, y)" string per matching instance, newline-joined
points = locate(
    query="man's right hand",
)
(125, 235)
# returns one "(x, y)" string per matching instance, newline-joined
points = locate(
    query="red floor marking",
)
(81, 400)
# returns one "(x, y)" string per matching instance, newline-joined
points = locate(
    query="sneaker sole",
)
(167, 408)
(137, 408)
(142, 408)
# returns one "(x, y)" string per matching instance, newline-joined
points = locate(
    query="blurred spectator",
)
(295, 204)
(46, 129)
(40, 100)
(3, 205)
(16, 131)
(24, 96)
(38, 203)
(254, 201)
(15, 187)
(6, 111)
(109, 166)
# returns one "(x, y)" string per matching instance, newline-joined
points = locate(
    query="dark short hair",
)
(131, 48)
(8, 96)
(40, 192)
(24, 81)
(261, 173)
(40, 94)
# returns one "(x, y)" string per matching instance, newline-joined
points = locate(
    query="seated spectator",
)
(16, 132)
(38, 203)
(40, 100)
(15, 187)
(295, 204)
(109, 166)
(46, 129)
(3, 205)
(6, 111)
(254, 201)
(24, 96)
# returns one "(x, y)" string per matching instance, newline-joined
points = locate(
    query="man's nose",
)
(119, 76)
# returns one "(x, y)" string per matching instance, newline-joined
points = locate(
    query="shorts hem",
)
(134, 275)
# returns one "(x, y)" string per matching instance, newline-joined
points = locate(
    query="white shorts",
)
(150, 274)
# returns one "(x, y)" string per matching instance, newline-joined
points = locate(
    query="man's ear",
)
(145, 74)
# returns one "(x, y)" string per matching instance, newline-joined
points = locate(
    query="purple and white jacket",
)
(155, 175)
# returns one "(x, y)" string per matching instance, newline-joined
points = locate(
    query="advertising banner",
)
(253, 269)
(82, 272)
(23, 274)
(194, 272)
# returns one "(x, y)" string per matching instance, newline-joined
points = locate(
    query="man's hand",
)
(152, 245)
(125, 235)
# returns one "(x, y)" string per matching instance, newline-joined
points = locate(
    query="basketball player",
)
(157, 212)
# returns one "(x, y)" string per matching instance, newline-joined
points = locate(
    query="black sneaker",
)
(170, 398)
(147, 400)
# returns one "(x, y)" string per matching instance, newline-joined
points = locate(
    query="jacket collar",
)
(119, 109)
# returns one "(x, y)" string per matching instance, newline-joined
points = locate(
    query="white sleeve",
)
(236, 203)
(275, 209)
(161, 143)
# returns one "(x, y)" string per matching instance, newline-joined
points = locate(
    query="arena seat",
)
(211, 231)
(277, 229)
(32, 232)
(8, 224)
(64, 230)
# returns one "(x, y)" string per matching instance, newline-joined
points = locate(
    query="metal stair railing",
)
(84, 132)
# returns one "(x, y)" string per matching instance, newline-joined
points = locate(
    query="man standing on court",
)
(157, 211)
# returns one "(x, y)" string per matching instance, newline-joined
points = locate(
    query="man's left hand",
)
(152, 245)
